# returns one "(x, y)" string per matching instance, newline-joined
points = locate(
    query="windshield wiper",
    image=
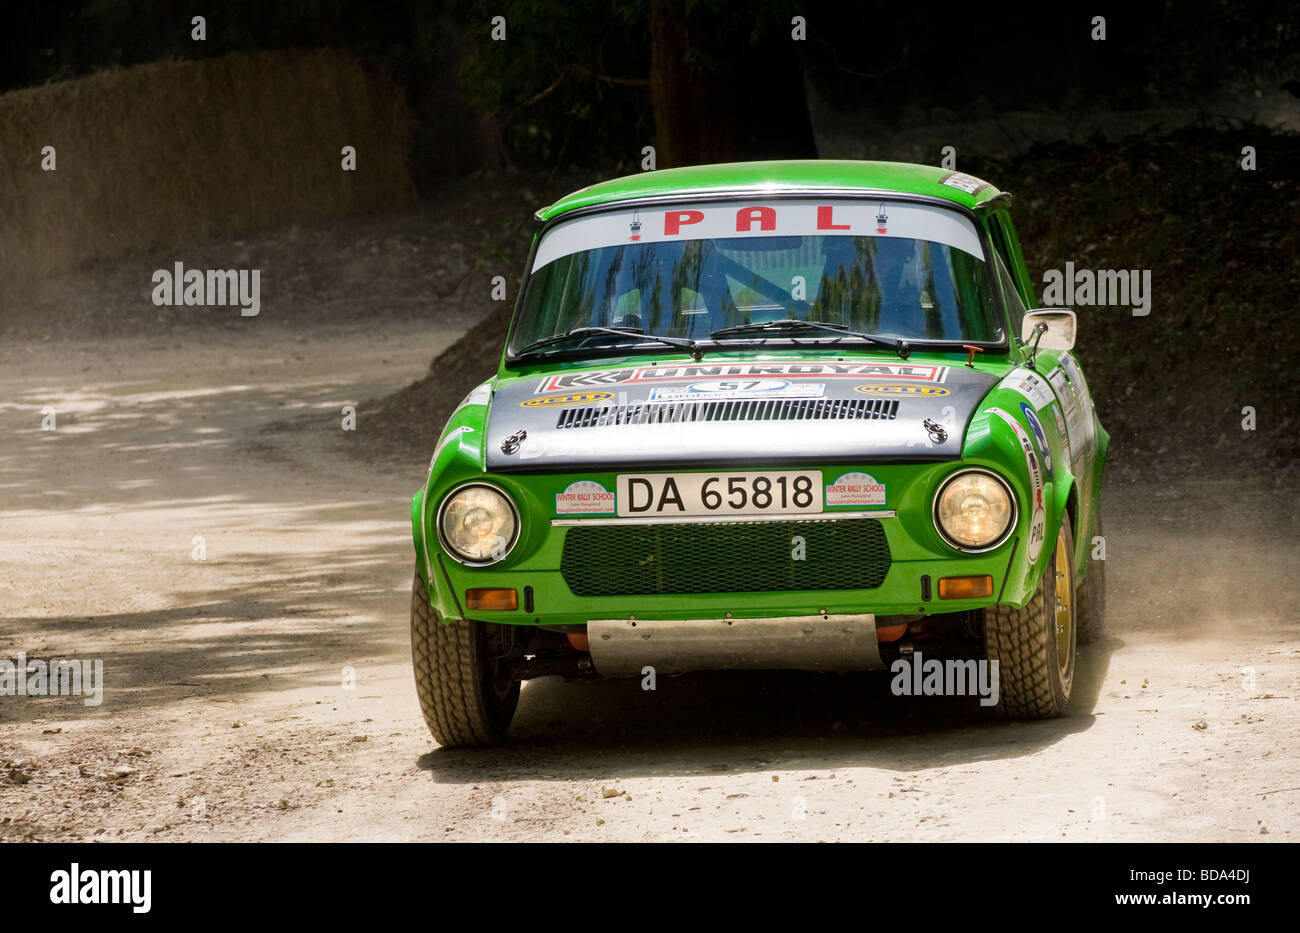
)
(684, 343)
(901, 347)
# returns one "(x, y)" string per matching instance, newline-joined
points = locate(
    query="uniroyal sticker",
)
(571, 398)
(740, 219)
(1032, 386)
(696, 372)
(963, 182)
(723, 389)
(855, 489)
(1039, 435)
(1038, 517)
(584, 497)
(885, 388)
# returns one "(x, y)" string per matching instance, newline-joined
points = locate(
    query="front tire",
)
(1035, 646)
(466, 696)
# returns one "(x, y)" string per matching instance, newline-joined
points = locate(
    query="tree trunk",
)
(747, 103)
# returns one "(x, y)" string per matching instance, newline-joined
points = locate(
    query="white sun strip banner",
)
(724, 220)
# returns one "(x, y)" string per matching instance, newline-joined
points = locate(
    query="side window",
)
(1009, 246)
(1015, 307)
(998, 235)
(1002, 258)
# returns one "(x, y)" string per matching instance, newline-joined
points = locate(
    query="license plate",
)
(784, 492)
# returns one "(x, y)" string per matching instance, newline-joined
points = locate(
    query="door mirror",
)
(1060, 324)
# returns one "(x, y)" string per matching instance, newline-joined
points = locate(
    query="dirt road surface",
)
(230, 711)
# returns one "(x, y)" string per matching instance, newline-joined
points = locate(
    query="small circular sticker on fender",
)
(1037, 532)
(890, 388)
(569, 398)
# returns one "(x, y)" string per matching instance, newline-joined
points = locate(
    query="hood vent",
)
(817, 409)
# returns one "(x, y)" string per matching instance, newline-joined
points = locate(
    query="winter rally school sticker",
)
(855, 489)
(584, 497)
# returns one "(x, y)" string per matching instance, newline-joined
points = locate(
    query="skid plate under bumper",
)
(622, 647)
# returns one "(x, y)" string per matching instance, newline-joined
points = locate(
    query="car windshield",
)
(894, 269)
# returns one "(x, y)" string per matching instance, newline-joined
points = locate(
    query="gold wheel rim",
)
(1063, 617)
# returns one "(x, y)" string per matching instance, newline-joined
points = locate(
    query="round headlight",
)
(478, 524)
(974, 510)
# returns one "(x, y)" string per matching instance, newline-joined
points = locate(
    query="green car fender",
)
(459, 451)
(1001, 438)
(417, 536)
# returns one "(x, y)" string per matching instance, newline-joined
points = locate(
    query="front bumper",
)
(906, 585)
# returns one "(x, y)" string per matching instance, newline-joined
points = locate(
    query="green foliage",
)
(1223, 247)
(568, 83)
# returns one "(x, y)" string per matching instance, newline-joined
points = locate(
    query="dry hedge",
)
(172, 152)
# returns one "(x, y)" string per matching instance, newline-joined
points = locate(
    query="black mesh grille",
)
(740, 557)
(794, 409)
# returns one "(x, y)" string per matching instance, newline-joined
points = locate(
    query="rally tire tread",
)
(1023, 643)
(450, 677)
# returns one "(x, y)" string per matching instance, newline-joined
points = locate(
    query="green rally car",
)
(772, 415)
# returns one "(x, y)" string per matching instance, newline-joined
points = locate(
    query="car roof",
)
(779, 177)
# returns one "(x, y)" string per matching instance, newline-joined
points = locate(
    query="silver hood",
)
(762, 412)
